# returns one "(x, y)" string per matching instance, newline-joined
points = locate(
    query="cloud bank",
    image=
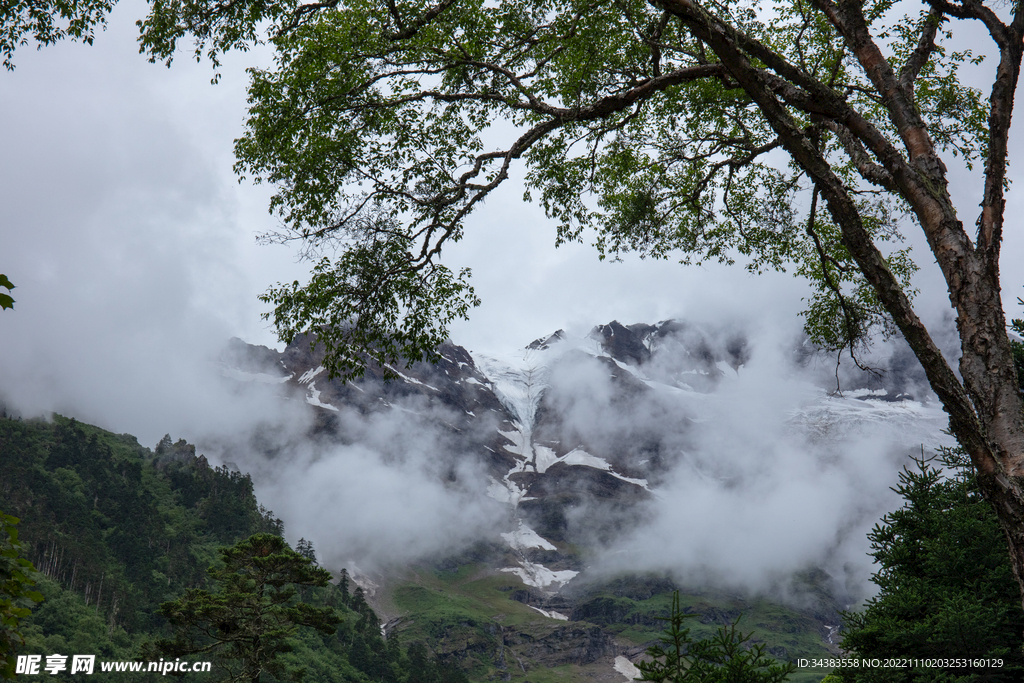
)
(764, 474)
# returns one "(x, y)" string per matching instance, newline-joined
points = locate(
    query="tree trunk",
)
(985, 408)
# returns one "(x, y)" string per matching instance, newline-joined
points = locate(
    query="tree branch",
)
(925, 46)
(868, 169)
(963, 419)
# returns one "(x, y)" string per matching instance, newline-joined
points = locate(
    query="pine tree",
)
(247, 623)
(305, 548)
(343, 587)
(723, 658)
(164, 445)
(946, 586)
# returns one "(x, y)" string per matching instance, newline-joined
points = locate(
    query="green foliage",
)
(474, 615)
(946, 587)
(247, 624)
(723, 658)
(376, 125)
(104, 518)
(5, 299)
(368, 303)
(116, 530)
(48, 21)
(16, 581)
(225, 25)
(64, 623)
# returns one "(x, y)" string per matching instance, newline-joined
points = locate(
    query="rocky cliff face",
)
(575, 437)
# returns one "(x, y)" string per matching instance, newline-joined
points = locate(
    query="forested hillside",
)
(115, 529)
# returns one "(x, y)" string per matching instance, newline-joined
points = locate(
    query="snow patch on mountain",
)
(544, 458)
(550, 614)
(308, 375)
(642, 483)
(506, 491)
(627, 668)
(578, 456)
(525, 537)
(521, 445)
(313, 398)
(411, 380)
(539, 576)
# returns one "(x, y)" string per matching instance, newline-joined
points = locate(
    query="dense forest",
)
(116, 529)
(122, 536)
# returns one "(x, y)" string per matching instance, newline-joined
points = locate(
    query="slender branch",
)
(867, 168)
(925, 46)
(849, 317)
(420, 21)
(303, 11)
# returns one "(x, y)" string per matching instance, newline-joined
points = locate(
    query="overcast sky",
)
(133, 246)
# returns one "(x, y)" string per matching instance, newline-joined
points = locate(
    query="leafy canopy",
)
(48, 21)
(16, 594)
(383, 125)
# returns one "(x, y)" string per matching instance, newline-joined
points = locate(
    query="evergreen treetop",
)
(946, 586)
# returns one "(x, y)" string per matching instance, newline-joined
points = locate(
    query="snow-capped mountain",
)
(632, 449)
(597, 423)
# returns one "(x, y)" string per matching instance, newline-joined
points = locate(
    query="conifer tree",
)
(723, 658)
(247, 623)
(305, 548)
(946, 586)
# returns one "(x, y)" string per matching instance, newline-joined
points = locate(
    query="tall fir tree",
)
(946, 586)
(248, 622)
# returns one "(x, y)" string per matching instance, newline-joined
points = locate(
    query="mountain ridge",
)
(571, 488)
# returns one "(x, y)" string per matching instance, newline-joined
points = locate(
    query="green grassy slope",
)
(471, 615)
